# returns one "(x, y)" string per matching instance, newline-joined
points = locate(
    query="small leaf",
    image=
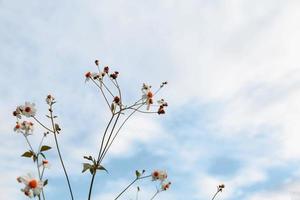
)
(100, 167)
(86, 166)
(45, 182)
(45, 148)
(27, 154)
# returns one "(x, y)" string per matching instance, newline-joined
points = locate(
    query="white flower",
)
(28, 109)
(32, 187)
(27, 127)
(49, 99)
(159, 175)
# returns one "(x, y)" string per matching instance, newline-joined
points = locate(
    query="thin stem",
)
(59, 153)
(156, 193)
(215, 195)
(39, 173)
(102, 142)
(100, 156)
(130, 184)
(37, 164)
(102, 93)
(118, 133)
(48, 129)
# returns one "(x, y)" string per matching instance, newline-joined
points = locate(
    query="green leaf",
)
(46, 182)
(45, 148)
(86, 166)
(27, 154)
(100, 167)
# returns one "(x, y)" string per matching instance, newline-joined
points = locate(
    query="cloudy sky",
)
(233, 94)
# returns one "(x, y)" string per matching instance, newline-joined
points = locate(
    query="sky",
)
(233, 94)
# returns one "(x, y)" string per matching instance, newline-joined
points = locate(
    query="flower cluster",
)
(148, 95)
(25, 127)
(100, 74)
(33, 187)
(162, 176)
(27, 110)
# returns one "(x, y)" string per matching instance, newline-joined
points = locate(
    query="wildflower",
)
(114, 75)
(165, 186)
(162, 105)
(106, 69)
(95, 76)
(33, 186)
(159, 175)
(17, 113)
(147, 95)
(28, 109)
(117, 100)
(49, 99)
(27, 127)
(18, 127)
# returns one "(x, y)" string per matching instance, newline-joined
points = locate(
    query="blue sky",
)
(234, 93)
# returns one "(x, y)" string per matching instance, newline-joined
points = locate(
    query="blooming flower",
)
(18, 127)
(147, 95)
(165, 186)
(49, 99)
(32, 187)
(28, 109)
(159, 175)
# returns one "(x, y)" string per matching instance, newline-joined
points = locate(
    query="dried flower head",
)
(221, 187)
(106, 69)
(50, 99)
(165, 186)
(114, 75)
(17, 113)
(97, 62)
